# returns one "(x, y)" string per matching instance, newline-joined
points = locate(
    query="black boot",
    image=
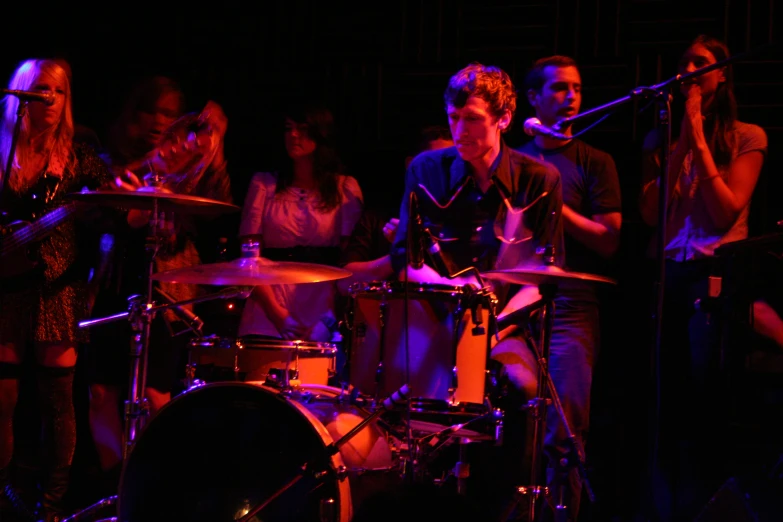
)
(55, 395)
(12, 506)
(54, 487)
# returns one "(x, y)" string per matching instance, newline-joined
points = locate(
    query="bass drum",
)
(217, 451)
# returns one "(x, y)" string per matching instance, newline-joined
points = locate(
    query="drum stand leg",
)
(136, 407)
(462, 467)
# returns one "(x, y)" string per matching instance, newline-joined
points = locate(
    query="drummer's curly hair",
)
(491, 84)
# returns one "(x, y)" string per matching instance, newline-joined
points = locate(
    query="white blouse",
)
(288, 219)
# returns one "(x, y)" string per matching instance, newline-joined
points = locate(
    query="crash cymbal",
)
(145, 198)
(546, 274)
(252, 271)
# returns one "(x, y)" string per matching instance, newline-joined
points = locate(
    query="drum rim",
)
(343, 486)
(248, 342)
(394, 287)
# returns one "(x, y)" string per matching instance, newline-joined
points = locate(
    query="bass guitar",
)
(18, 239)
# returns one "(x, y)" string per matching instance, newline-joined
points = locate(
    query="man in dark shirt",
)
(591, 221)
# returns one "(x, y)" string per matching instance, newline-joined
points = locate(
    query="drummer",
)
(487, 205)
(302, 212)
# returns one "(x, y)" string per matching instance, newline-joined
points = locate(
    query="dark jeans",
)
(691, 448)
(572, 352)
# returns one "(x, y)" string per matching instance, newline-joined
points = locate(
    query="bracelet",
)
(709, 177)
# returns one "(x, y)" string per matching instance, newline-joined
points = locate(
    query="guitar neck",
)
(39, 229)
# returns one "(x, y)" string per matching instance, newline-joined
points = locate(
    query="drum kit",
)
(288, 436)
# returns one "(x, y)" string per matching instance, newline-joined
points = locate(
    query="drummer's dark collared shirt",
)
(488, 230)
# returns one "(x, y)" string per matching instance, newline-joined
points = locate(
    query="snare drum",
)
(447, 358)
(217, 451)
(286, 363)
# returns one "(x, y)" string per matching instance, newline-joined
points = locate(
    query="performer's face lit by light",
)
(475, 130)
(43, 117)
(560, 96)
(152, 122)
(696, 57)
(298, 142)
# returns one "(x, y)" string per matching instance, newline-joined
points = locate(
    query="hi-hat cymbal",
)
(252, 271)
(546, 274)
(146, 197)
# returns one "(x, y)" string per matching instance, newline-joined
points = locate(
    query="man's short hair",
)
(535, 78)
(491, 84)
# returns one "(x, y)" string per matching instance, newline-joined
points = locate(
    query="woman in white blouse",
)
(304, 212)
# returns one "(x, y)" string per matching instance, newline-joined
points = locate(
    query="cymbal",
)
(546, 274)
(252, 271)
(145, 198)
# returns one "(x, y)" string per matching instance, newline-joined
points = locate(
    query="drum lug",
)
(454, 383)
(497, 414)
(341, 472)
(328, 510)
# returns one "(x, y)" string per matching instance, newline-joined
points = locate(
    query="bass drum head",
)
(217, 451)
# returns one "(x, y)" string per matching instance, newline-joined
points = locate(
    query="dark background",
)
(382, 68)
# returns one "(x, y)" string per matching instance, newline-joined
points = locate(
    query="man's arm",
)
(600, 232)
(599, 228)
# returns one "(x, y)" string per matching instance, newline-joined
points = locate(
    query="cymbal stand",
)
(546, 395)
(136, 407)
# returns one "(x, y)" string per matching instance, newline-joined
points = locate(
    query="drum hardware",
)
(549, 279)
(396, 399)
(140, 314)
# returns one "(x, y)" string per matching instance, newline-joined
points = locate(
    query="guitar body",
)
(22, 261)
(33, 220)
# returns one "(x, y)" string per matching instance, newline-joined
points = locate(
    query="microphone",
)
(194, 322)
(421, 240)
(39, 96)
(533, 127)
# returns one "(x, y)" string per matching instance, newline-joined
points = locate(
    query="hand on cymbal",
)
(214, 116)
(127, 181)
